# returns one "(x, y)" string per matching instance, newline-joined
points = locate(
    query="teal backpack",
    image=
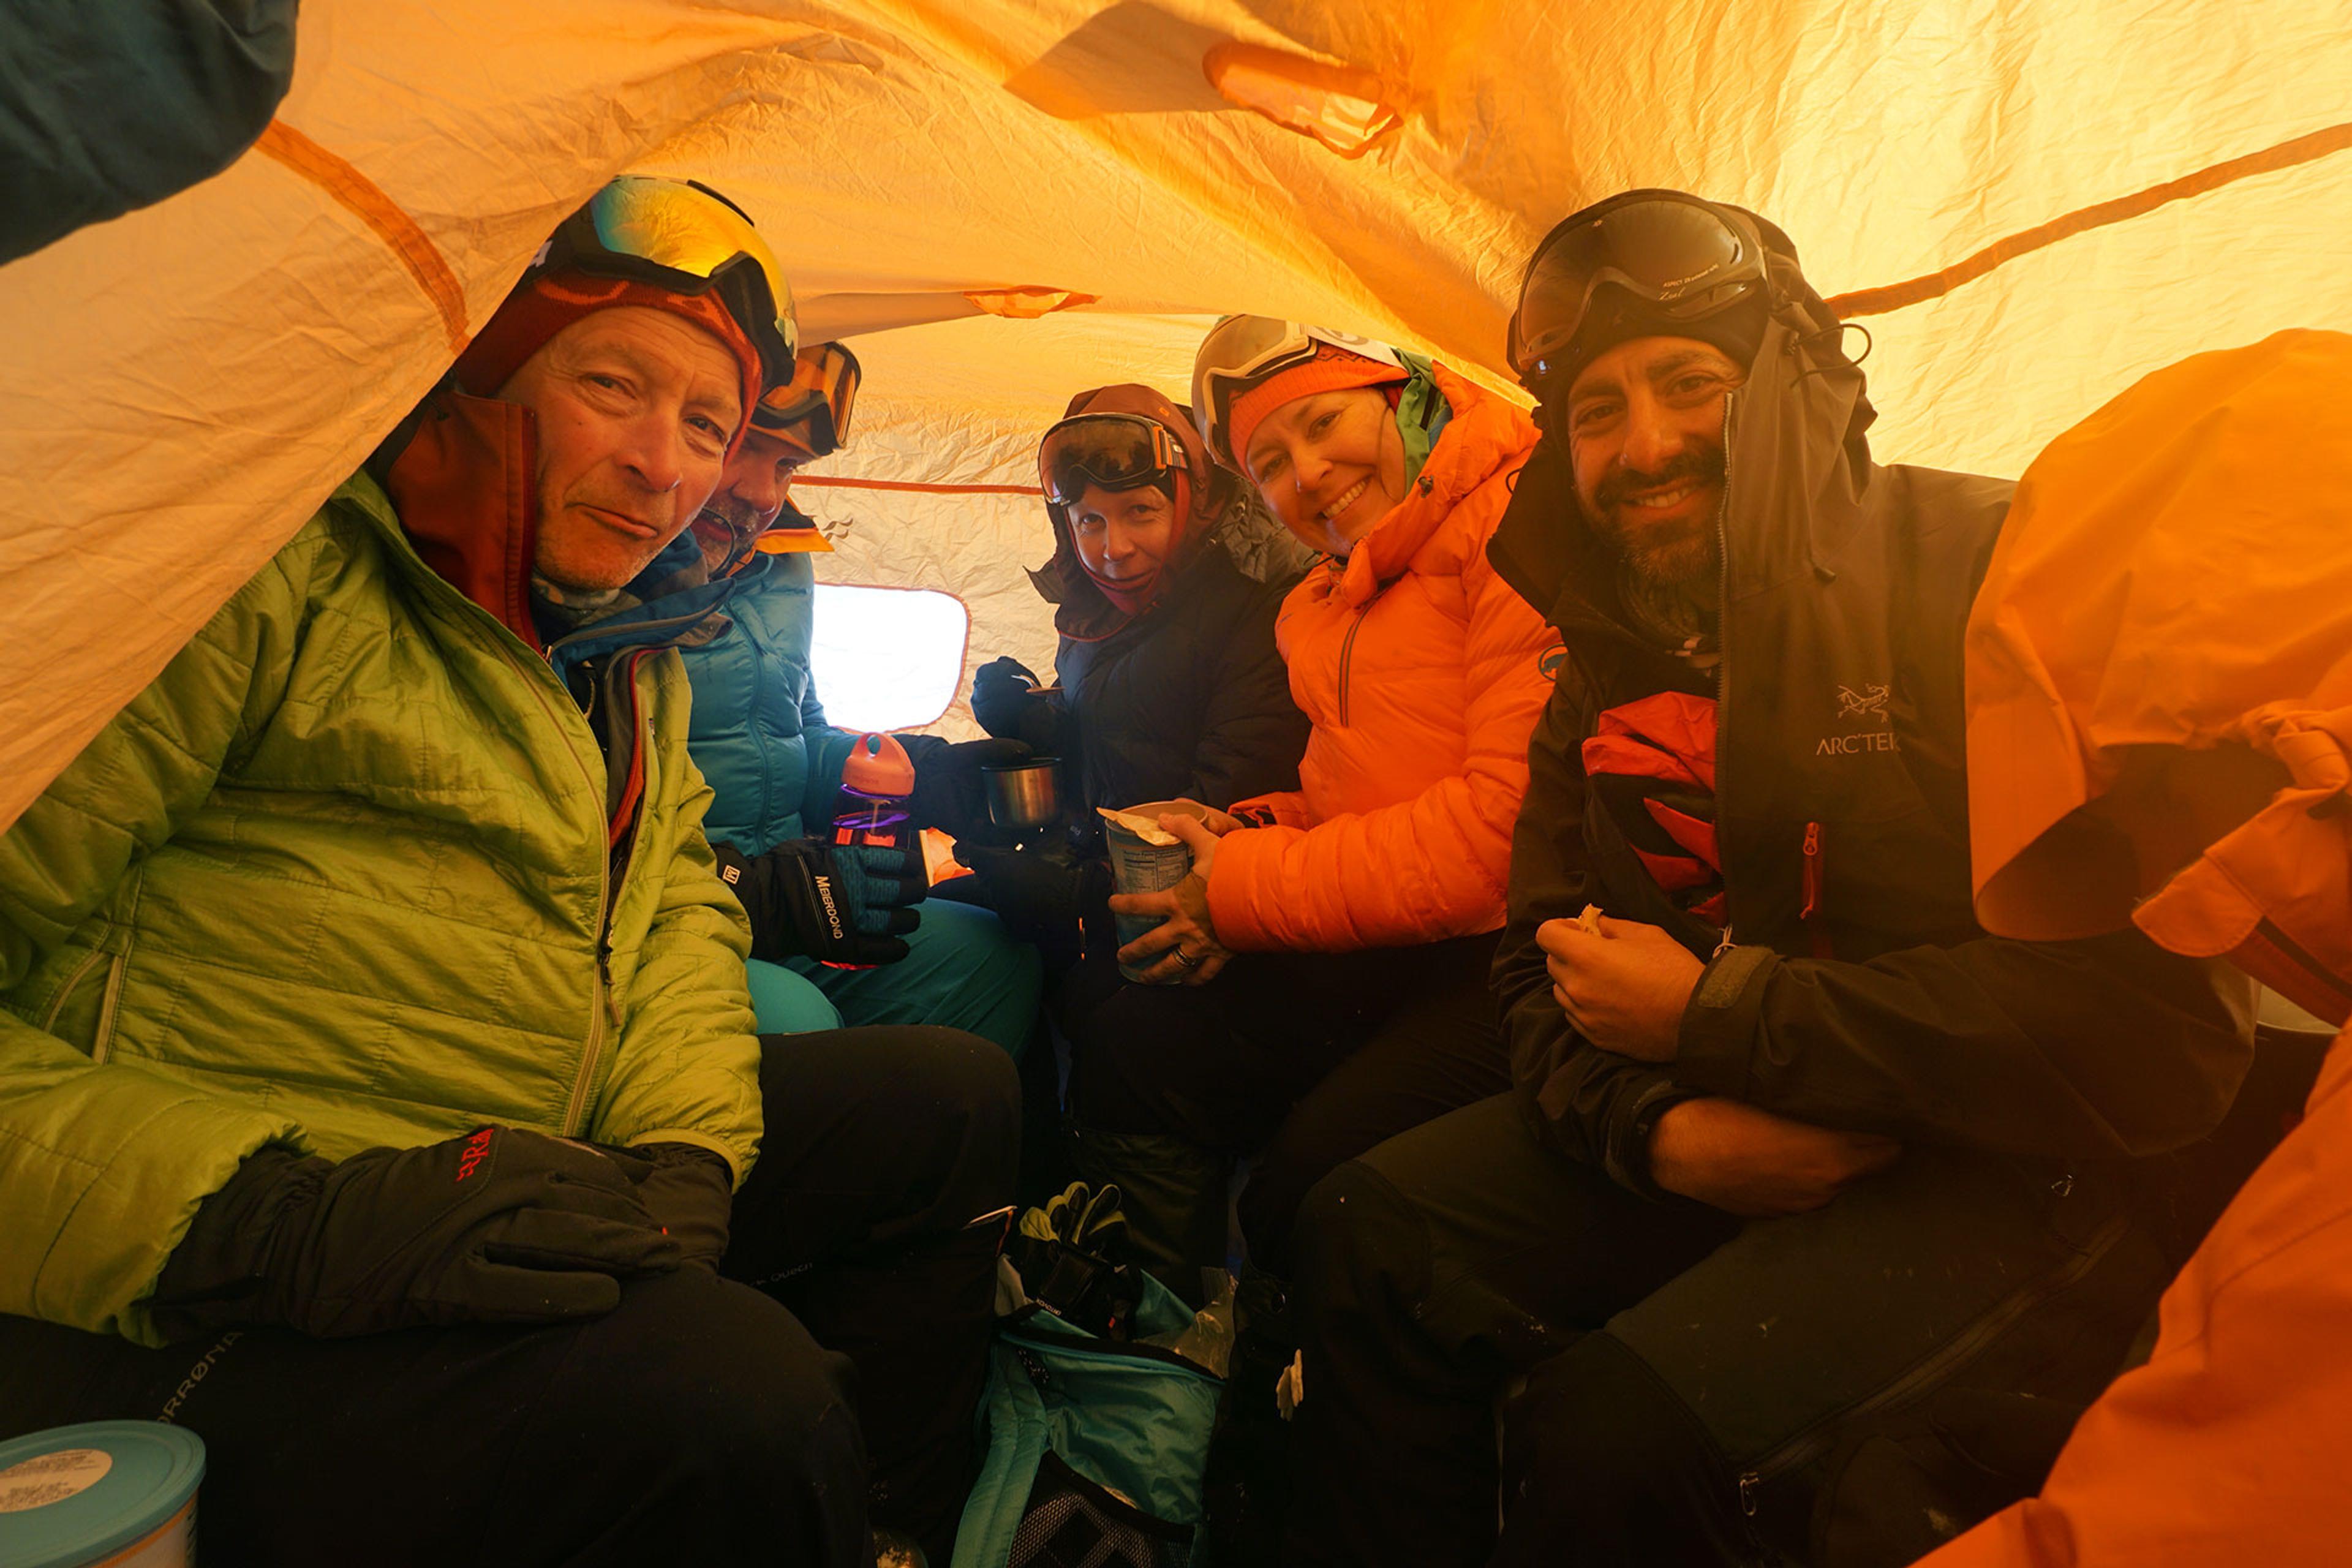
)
(1095, 1447)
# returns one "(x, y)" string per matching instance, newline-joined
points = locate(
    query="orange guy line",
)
(365, 201)
(1934, 285)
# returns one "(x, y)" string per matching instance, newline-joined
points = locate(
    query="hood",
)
(1799, 467)
(1082, 610)
(458, 471)
(1471, 434)
(2159, 673)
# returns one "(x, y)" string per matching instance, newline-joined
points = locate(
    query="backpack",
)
(1095, 1448)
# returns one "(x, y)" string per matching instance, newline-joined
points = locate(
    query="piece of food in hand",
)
(1143, 828)
(1590, 918)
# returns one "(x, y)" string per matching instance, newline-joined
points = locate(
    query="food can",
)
(105, 1494)
(1137, 867)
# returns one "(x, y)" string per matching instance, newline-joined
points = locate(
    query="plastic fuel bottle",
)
(871, 809)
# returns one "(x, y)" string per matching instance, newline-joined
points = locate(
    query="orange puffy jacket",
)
(2170, 608)
(1422, 674)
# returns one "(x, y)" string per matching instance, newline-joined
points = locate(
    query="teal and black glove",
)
(835, 903)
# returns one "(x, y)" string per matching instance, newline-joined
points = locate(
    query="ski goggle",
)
(1111, 451)
(1240, 352)
(1682, 257)
(816, 402)
(684, 237)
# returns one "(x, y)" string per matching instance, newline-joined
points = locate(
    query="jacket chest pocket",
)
(82, 1010)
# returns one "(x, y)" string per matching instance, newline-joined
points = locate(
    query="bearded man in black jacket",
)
(1817, 1213)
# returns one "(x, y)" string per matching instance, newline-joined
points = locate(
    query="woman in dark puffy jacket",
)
(1166, 577)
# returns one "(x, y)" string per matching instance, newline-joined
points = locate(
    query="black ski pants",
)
(1841, 1388)
(746, 1418)
(1304, 1060)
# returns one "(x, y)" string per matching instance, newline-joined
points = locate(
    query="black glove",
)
(948, 794)
(1037, 892)
(690, 1193)
(839, 904)
(1007, 700)
(498, 1226)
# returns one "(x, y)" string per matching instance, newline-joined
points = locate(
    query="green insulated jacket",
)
(341, 877)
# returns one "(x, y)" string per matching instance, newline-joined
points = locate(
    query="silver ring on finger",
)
(1188, 960)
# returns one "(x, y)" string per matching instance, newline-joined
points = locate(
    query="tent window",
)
(888, 658)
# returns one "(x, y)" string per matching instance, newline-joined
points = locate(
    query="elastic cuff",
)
(1717, 1037)
(695, 1138)
(1626, 1160)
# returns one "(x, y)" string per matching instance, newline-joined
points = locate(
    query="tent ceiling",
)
(192, 379)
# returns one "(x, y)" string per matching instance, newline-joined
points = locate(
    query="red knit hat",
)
(1331, 369)
(546, 304)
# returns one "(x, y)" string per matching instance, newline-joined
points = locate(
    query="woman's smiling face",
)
(1330, 464)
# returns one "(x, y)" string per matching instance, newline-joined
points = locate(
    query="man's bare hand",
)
(1623, 986)
(1747, 1162)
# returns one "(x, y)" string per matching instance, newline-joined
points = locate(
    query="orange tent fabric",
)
(2032, 203)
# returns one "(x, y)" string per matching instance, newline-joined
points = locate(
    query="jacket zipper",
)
(1809, 915)
(102, 1042)
(601, 1001)
(102, 1045)
(1347, 652)
(601, 1009)
(606, 1014)
(1723, 671)
(1806, 1444)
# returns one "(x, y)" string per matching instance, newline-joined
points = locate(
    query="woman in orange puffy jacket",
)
(1332, 940)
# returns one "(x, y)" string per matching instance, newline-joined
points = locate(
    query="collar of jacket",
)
(458, 471)
(1797, 470)
(1485, 436)
(677, 604)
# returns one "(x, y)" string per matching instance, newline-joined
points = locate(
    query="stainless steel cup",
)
(1023, 796)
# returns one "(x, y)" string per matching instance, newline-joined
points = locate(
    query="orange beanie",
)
(1331, 369)
(552, 301)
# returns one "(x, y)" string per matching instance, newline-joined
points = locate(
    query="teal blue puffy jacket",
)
(758, 732)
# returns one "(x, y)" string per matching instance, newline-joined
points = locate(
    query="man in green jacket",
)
(375, 1039)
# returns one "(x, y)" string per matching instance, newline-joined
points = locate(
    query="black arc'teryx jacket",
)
(1852, 987)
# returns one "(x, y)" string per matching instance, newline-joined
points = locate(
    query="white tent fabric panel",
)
(938, 410)
(190, 380)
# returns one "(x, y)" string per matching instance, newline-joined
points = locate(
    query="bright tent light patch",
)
(887, 658)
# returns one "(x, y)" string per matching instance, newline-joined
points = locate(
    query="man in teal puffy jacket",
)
(760, 736)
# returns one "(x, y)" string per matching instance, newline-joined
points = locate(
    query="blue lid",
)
(72, 1494)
